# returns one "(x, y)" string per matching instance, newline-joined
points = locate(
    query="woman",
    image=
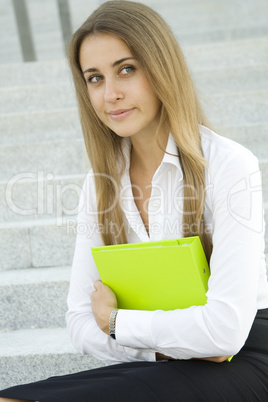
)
(159, 172)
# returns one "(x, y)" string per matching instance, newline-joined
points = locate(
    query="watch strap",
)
(112, 321)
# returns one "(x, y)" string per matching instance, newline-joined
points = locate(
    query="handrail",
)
(25, 30)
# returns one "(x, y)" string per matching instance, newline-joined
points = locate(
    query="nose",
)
(112, 91)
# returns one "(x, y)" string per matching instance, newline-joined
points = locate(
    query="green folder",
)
(160, 275)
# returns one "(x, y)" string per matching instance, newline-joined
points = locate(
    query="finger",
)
(97, 285)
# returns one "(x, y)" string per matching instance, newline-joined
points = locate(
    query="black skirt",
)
(245, 378)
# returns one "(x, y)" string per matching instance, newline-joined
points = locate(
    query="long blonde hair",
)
(153, 44)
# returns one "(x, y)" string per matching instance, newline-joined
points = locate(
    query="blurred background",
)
(43, 162)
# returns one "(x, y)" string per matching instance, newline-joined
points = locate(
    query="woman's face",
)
(118, 89)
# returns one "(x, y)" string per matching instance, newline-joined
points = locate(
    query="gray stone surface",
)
(45, 24)
(34, 73)
(199, 37)
(199, 21)
(80, 10)
(226, 19)
(226, 46)
(14, 248)
(37, 243)
(36, 99)
(264, 169)
(234, 54)
(241, 108)
(57, 158)
(192, 14)
(193, 23)
(266, 234)
(57, 72)
(43, 196)
(251, 105)
(232, 80)
(53, 244)
(254, 137)
(45, 305)
(32, 355)
(9, 39)
(243, 53)
(21, 129)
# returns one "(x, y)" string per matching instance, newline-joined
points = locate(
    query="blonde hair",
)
(153, 44)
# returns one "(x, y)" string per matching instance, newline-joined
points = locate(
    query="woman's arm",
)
(103, 302)
(221, 326)
(84, 332)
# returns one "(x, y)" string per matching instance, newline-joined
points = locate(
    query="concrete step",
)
(53, 97)
(236, 109)
(212, 82)
(219, 13)
(39, 195)
(35, 354)
(192, 21)
(213, 21)
(64, 125)
(31, 128)
(236, 54)
(27, 99)
(264, 170)
(253, 137)
(45, 126)
(221, 55)
(42, 243)
(45, 304)
(51, 242)
(199, 22)
(201, 36)
(58, 158)
(9, 39)
(35, 73)
(228, 81)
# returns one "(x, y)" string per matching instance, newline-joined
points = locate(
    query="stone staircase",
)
(43, 164)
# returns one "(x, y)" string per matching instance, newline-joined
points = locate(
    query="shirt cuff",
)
(133, 329)
(139, 355)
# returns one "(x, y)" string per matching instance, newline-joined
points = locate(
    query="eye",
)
(126, 70)
(94, 78)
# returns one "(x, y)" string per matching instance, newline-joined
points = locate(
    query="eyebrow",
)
(116, 63)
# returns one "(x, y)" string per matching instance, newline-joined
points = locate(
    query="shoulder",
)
(89, 182)
(88, 191)
(221, 152)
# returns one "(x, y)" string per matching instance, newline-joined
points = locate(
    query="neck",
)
(146, 155)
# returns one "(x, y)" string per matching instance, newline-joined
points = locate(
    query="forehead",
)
(101, 48)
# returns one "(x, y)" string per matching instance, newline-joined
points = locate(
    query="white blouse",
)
(238, 282)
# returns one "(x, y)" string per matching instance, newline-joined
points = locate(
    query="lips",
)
(120, 114)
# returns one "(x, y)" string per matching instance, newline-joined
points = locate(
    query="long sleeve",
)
(85, 334)
(237, 265)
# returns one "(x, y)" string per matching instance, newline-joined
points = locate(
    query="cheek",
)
(149, 95)
(95, 102)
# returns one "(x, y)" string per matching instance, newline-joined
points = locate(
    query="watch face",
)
(112, 335)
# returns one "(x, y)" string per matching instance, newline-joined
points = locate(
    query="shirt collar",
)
(128, 204)
(171, 156)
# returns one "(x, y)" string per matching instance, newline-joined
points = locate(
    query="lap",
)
(244, 379)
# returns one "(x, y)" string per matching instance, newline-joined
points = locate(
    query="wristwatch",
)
(112, 320)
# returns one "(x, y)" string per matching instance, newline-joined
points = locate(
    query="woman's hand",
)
(103, 302)
(217, 359)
